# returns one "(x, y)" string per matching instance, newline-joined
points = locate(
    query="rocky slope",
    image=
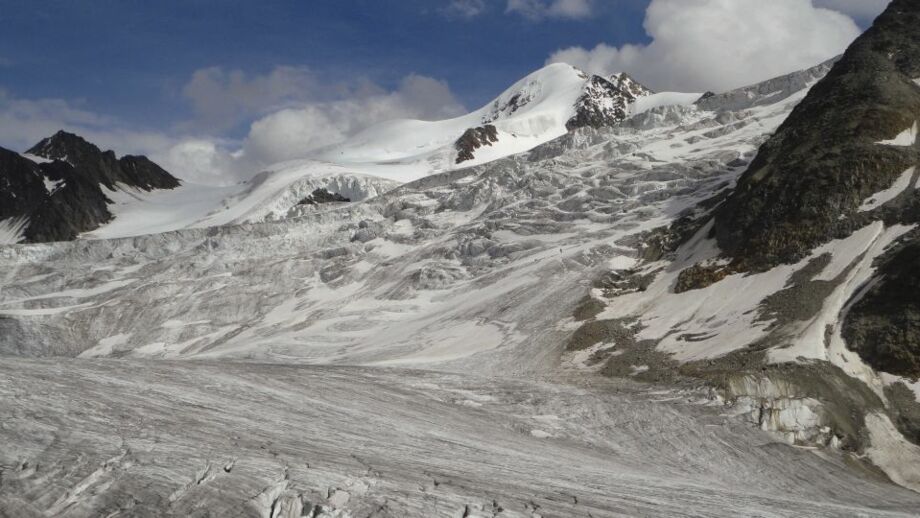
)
(606, 102)
(809, 181)
(58, 190)
(793, 292)
(847, 158)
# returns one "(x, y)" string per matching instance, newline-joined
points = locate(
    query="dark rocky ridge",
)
(473, 139)
(825, 160)
(73, 200)
(103, 167)
(322, 195)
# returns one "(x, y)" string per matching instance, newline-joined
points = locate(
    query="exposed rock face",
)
(884, 325)
(628, 86)
(807, 183)
(606, 102)
(63, 197)
(841, 167)
(508, 108)
(473, 139)
(22, 187)
(103, 167)
(321, 195)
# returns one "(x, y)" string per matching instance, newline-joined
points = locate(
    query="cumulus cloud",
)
(295, 113)
(300, 128)
(222, 99)
(700, 45)
(24, 122)
(860, 9)
(294, 132)
(540, 9)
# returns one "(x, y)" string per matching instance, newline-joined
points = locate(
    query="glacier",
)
(223, 352)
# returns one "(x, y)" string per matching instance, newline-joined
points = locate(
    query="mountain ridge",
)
(62, 196)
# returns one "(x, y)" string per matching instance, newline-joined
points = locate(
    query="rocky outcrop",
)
(808, 181)
(321, 196)
(629, 87)
(62, 197)
(473, 139)
(605, 102)
(883, 325)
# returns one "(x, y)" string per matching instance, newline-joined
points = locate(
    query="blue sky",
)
(213, 86)
(131, 58)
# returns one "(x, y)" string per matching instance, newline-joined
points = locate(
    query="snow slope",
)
(663, 99)
(533, 111)
(11, 230)
(272, 194)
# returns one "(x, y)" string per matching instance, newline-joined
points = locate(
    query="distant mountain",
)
(102, 167)
(56, 190)
(540, 107)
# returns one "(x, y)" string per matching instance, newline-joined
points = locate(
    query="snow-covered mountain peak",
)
(625, 83)
(542, 106)
(555, 85)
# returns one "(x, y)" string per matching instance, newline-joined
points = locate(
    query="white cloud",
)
(222, 99)
(24, 122)
(540, 9)
(859, 9)
(200, 160)
(700, 45)
(296, 114)
(292, 130)
(466, 8)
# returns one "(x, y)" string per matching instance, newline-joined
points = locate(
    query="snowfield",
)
(406, 354)
(272, 194)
